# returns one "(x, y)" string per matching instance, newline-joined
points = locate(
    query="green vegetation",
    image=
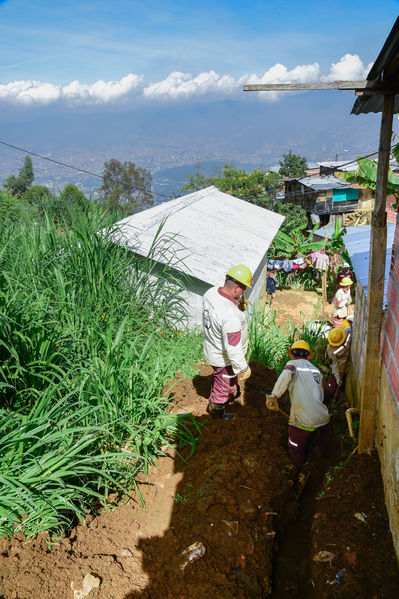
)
(18, 185)
(270, 342)
(366, 175)
(293, 165)
(254, 187)
(126, 187)
(88, 341)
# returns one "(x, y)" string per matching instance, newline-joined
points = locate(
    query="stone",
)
(90, 582)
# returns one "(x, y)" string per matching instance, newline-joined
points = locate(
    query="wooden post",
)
(324, 287)
(369, 384)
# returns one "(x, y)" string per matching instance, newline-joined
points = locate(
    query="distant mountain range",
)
(171, 139)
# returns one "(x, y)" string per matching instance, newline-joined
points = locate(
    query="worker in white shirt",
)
(342, 301)
(226, 338)
(308, 414)
(338, 350)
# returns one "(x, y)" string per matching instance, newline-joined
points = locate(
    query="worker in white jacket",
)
(308, 412)
(342, 300)
(226, 338)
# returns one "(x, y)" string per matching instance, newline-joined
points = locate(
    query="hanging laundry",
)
(287, 266)
(322, 261)
(299, 261)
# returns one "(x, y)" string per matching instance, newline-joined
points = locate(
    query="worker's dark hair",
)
(300, 353)
(230, 282)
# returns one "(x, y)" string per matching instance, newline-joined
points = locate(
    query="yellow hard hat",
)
(301, 345)
(241, 273)
(346, 281)
(336, 337)
(345, 324)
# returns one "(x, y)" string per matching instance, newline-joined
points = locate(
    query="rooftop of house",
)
(209, 230)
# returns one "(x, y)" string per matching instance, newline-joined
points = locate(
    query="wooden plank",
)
(370, 382)
(359, 85)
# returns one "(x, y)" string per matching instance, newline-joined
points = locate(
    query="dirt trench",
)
(236, 498)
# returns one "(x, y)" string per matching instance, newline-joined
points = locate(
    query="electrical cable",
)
(169, 197)
(81, 170)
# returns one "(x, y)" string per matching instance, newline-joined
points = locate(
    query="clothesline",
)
(319, 259)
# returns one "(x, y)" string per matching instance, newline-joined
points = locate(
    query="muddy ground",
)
(237, 497)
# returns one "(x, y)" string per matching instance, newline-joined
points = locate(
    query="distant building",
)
(326, 196)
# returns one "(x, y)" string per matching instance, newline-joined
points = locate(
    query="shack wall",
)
(387, 441)
(387, 418)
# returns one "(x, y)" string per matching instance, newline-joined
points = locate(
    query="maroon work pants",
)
(298, 441)
(224, 384)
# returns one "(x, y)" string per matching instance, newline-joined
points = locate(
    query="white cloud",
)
(101, 91)
(176, 86)
(349, 68)
(184, 85)
(29, 92)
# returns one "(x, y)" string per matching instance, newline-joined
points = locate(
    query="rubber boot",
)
(218, 411)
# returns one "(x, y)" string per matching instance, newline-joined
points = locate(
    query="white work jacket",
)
(342, 300)
(339, 356)
(225, 331)
(304, 382)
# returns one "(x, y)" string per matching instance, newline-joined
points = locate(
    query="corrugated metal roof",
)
(323, 183)
(386, 69)
(357, 242)
(218, 230)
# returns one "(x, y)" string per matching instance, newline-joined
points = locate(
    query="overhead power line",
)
(161, 195)
(81, 170)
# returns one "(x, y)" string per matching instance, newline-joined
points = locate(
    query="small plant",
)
(179, 498)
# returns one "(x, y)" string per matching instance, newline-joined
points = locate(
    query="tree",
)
(74, 197)
(254, 187)
(126, 187)
(18, 185)
(293, 165)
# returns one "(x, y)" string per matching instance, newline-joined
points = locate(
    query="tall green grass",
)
(270, 342)
(88, 338)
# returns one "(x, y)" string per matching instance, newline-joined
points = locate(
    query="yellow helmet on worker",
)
(336, 337)
(346, 282)
(301, 344)
(241, 274)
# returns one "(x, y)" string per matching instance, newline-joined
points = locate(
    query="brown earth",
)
(237, 497)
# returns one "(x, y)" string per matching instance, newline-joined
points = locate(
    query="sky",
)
(124, 53)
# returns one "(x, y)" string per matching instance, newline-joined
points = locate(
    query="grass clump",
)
(83, 365)
(269, 342)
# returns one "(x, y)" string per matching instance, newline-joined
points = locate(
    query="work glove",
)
(245, 373)
(243, 304)
(271, 403)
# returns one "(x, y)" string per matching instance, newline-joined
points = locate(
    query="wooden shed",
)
(211, 231)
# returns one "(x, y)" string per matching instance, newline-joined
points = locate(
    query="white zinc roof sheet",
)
(217, 230)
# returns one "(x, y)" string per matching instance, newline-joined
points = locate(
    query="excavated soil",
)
(257, 533)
